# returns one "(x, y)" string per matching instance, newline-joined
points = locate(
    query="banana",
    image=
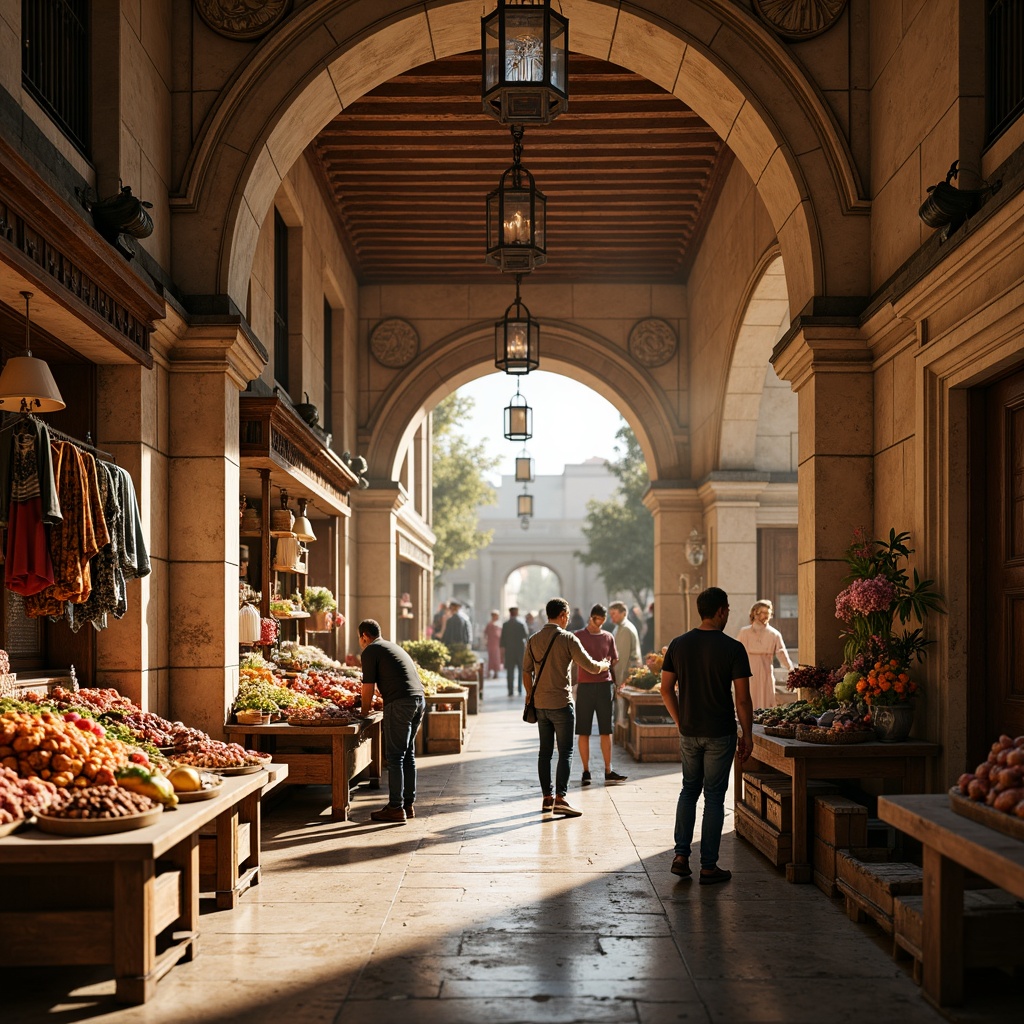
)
(151, 784)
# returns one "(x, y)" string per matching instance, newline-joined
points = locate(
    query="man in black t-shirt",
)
(389, 668)
(706, 665)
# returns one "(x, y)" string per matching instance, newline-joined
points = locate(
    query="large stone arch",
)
(565, 348)
(764, 311)
(712, 54)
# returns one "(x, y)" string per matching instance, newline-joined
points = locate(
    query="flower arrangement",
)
(877, 655)
(319, 599)
(813, 677)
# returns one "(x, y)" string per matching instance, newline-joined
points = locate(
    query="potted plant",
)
(429, 654)
(320, 603)
(878, 656)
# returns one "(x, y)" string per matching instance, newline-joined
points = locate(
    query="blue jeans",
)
(555, 724)
(401, 720)
(706, 764)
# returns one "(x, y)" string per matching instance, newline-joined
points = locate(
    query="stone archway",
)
(713, 55)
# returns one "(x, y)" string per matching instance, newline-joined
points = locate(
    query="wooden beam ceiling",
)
(630, 172)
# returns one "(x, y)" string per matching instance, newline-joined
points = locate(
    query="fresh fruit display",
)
(148, 783)
(71, 751)
(293, 657)
(800, 712)
(434, 684)
(101, 802)
(344, 691)
(323, 714)
(465, 673)
(20, 798)
(185, 779)
(268, 697)
(999, 780)
(215, 754)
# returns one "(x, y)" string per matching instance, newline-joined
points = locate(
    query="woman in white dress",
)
(763, 643)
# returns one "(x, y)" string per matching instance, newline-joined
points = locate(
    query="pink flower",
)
(865, 597)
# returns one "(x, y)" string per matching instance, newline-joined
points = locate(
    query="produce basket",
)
(787, 732)
(816, 734)
(252, 718)
(1008, 824)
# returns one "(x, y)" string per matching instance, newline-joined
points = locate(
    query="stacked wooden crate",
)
(871, 882)
(839, 823)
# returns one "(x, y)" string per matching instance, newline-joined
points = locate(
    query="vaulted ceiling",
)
(630, 172)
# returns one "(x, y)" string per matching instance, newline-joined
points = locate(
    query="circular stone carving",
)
(652, 342)
(799, 19)
(242, 19)
(394, 343)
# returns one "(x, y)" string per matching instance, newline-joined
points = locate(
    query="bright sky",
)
(571, 423)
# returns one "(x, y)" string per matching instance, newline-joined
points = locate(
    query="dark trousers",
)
(555, 725)
(402, 718)
(512, 666)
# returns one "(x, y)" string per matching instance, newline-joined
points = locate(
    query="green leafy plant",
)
(462, 654)
(319, 599)
(429, 654)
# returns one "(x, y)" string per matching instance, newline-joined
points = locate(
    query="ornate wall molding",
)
(652, 342)
(394, 343)
(242, 19)
(797, 20)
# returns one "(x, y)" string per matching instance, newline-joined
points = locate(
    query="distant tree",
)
(620, 531)
(459, 486)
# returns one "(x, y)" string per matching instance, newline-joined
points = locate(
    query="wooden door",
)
(1002, 693)
(776, 580)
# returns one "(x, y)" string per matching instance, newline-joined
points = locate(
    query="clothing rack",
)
(59, 435)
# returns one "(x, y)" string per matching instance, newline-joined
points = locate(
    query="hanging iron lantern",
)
(518, 419)
(524, 469)
(524, 505)
(516, 218)
(517, 339)
(525, 49)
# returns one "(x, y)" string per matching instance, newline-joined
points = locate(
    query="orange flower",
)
(904, 678)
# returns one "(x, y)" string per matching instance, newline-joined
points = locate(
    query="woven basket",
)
(816, 734)
(252, 718)
(785, 731)
(282, 520)
(250, 521)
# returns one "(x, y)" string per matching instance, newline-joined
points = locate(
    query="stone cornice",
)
(383, 496)
(216, 348)
(821, 345)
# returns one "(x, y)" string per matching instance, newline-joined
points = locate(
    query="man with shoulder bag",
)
(550, 654)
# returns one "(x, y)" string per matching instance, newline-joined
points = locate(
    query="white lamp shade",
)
(303, 530)
(26, 384)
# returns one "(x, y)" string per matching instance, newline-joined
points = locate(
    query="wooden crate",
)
(753, 795)
(839, 823)
(444, 732)
(993, 926)
(776, 846)
(870, 883)
(778, 800)
(650, 741)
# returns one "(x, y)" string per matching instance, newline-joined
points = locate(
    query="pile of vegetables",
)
(999, 780)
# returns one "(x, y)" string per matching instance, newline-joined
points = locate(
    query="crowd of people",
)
(568, 670)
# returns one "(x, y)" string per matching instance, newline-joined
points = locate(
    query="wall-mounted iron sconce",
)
(948, 207)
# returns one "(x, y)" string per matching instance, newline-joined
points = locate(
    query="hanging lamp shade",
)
(518, 419)
(301, 527)
(525, 49)
(516, 218)
(26, 384)
(517, 339)
(524, 469)
(524, 505)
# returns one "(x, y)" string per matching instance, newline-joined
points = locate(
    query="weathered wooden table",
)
(130, 899)
(648, 733)
(950, 844)
(326, 755)
(904, 762)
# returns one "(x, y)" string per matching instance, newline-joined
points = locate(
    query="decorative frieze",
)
(652, 342)
(394, 343)
(242, 19)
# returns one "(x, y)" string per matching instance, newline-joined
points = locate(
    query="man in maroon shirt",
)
(594, 695)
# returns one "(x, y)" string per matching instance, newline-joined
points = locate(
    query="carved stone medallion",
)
(799, 19)
(394, 343)
(652, 342)
(242, 19)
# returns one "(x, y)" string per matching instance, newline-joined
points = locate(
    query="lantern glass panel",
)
(524, 44)
(524, 469)
(492, 62)
(518, 423)
(559, 38)
(525, 505)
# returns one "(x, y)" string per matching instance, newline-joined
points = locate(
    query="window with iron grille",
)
(280, 301)
(325, 418)
(1004, 65)
(55, 63)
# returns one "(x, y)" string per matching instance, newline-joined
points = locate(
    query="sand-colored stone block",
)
(454, 28)
(203, 513)
(896, 230)
(883, 405)
(708, 92)
(641, 43)
(891, 488)
(203, 414)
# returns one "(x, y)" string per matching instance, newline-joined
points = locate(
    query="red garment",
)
(492, 634)
(29, 568)
(599, 646)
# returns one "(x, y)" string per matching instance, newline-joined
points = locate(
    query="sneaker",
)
(547, 804)
(562, 806)
(716, 874)
(586, 779)
(410, 811)
(389, 813)
(681, 866)
(613, 778)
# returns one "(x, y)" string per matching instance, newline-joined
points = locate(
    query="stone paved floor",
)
(483, 910)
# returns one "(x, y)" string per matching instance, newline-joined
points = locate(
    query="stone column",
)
(375, 516)
(209, 364)
(731, 502)
(829, 367)
(676, 510)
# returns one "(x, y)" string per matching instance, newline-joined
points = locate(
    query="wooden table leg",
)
(799, 870)
(134, 945)
(185, 857)
(227, 859)
(943, 926)
(339, 776)
(250, 813)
